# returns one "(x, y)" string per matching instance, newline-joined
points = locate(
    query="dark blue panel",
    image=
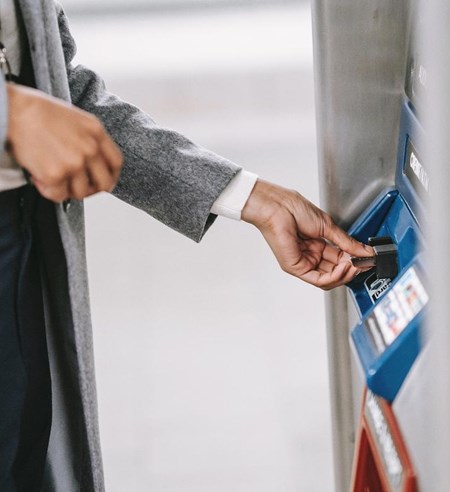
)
(396, 213)
(388, 216)
(386, 370)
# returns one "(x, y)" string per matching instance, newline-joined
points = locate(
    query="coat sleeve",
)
(3, 113)
(164, 173)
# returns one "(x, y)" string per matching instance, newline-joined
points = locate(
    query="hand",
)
(66, 150)
(304, 239)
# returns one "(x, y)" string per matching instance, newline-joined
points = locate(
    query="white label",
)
(383, 437)
(400, 305)
(423, 76)
(419, 170)
(376, 287)
(411, 293)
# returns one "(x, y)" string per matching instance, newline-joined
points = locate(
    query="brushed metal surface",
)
(360, 64)
(423, 406)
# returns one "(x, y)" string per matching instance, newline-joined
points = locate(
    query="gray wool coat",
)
(164, 174)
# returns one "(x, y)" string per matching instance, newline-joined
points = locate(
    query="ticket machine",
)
(360, 58)
(390, 299)
(388, 332)
(389, 392)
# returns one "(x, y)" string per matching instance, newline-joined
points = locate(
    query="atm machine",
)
(388, 362)
(389, 302)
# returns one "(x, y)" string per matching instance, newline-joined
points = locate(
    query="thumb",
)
(347, 243)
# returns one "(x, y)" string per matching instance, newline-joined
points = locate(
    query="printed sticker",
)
(400, 306)
(376, 287)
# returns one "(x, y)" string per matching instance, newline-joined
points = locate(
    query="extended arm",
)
(164, 173)
(177, 181)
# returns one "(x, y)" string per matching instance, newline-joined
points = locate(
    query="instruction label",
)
(376, 287)
(415, 170)
(385, 443)
(397, 309)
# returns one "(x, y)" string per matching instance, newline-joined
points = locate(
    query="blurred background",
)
(211, 362)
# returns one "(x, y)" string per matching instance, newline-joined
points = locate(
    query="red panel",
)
(369, 474)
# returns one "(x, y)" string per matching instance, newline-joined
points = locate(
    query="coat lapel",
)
(35, 30)
(44, 39)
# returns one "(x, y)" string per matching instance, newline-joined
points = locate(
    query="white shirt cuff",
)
(233, 198)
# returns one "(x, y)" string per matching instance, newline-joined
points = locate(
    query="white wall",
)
(211, 362)
(74, 6)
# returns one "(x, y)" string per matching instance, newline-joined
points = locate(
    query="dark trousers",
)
(25, 387)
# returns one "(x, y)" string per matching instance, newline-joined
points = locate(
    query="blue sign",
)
(387, 339)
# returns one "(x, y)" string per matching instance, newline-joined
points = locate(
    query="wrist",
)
(15, 106)
(22, 101)
(264, 202)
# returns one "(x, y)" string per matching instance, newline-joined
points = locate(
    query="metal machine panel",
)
(360, 64)
(411, 409)
(360, 61)
(423, 404)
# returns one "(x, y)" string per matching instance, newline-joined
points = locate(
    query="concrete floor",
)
(211, 362)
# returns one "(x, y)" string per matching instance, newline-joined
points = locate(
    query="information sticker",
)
(387, 449)
(376, 287)
(415, 170)
(395, 311)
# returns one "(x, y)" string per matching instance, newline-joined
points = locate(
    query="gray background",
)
(211, 362)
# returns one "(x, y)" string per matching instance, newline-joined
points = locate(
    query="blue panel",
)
(386, 358)
(366, 226)
(388, 216)
(386, 370)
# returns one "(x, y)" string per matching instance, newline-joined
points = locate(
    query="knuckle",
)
(327, 219)
(54, 174)
(96, 126)
(76, 164)
(327, 222)
(116, 157)
(54, 194)
(103, 185)
(79, 193)
(118, 161)
(60, 196)
(90, 148)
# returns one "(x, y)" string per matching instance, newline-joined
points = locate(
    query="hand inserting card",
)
(385, 259)
(365, 262)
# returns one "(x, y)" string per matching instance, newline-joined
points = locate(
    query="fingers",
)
(312, 260)
(326, 266)
(101, 177)
(57, 193)
(100, 172)
(333, 254)
(96, 176)
(68, 153)
(112, 155)
(338, 275)
(79, 185)
(304, 239)
(345, 242)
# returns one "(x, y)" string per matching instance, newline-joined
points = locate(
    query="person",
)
(66, 138)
